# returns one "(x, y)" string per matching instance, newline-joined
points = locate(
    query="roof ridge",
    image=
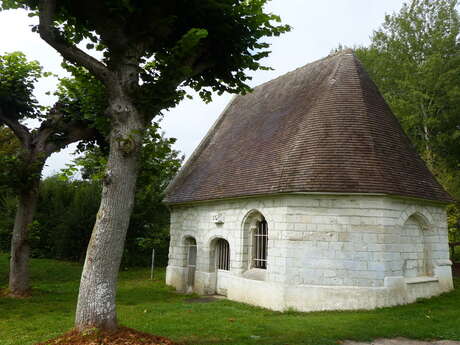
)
(357, 65)
(390, 115)
(309, 64)
(297, 141)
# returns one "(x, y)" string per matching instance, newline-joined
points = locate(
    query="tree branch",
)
(64, 131)
(19, 130)
(74, 132)
(70, 52)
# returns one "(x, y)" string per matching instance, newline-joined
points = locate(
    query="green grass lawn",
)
(152, 307)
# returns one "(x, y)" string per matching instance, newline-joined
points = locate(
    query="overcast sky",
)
(317, 28)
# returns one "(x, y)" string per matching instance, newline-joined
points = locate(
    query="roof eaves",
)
(265, 195)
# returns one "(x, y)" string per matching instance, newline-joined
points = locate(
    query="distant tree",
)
(152, 50)
(149, 225)
(67, 207)
(414, 58)
(65, 215)
(21, 168)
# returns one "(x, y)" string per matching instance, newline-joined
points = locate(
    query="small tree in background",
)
(21, 167)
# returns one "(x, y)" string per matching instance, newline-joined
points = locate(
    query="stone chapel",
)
(306, 194)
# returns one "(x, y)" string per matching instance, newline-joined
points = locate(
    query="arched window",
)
(222, 255)
(260, 245)
(255, 245)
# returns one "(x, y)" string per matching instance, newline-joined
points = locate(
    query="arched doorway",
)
(190, 263)
(220, 249)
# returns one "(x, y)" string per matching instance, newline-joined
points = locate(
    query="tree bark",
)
(19, 271)
(429, 155)
(96, 300)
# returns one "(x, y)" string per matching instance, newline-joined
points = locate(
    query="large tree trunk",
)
(96, 299)
(19, 271)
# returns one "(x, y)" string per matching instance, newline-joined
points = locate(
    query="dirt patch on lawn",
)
(403, 341)
(122, 336)
(7, 293)
(201, 300)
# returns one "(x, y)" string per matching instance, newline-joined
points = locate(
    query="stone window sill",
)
(421, 280)
(255, 274)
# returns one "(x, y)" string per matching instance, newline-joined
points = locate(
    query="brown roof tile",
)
(321, 128)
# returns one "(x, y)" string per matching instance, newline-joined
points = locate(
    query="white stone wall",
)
(196, 221)
(358, 241)
(318, 244)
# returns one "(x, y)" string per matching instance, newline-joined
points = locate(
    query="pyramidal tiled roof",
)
(322, 128)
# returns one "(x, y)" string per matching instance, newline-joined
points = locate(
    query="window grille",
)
(260, 245)
(223, 255)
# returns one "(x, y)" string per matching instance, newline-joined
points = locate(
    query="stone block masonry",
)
(324, 251)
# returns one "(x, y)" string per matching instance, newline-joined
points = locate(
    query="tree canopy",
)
(17, 80)
(173, 43)
(414, 58)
